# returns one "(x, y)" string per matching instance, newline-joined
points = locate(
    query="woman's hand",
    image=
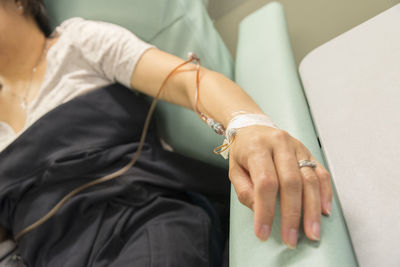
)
(264, 160)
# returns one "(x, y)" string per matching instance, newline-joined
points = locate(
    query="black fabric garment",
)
(154, 215)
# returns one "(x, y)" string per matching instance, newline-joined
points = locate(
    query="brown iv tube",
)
(124, 169)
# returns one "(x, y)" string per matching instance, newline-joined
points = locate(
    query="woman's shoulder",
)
(72, 22)
(70, 26)
(81, 23)
(83, 29)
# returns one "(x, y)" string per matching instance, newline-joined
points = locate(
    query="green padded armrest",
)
(175, 26)
(266, 69)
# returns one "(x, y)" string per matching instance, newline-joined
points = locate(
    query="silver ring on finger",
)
(307, 163)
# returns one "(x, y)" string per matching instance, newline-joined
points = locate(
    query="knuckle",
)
(292, 184)
(303, 148)
(281, 135)
(243, 195)
(292, 175)
(267, 184)
(325, 176)
(311, 179)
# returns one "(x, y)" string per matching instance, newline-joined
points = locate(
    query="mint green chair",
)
(265, 68)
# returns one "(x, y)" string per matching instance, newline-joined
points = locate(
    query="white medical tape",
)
(242, 121)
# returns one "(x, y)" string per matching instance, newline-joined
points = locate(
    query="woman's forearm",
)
(220, 98)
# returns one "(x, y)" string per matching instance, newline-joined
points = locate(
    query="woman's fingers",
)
(325, 188)
(312, 203)
(311, 199)
(290, 194)
(263, 175)
(243, 186)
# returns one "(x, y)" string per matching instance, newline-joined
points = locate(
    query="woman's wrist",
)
(246, 120)
(238, 122)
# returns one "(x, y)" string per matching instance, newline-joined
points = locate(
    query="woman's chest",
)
(15, 100)
(54, 92)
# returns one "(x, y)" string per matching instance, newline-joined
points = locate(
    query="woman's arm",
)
(220, 98)
(262, 160)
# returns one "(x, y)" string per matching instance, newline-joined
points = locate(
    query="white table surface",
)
(352, 84)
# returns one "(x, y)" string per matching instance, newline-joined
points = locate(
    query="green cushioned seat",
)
(266, 69)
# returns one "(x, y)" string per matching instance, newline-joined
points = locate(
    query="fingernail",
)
(329, 208)
(292, 238)
(264, 232)
(315, 231)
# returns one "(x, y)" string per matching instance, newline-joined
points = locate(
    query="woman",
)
(44, 77)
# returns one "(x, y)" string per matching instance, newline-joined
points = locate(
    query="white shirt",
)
(88, 55)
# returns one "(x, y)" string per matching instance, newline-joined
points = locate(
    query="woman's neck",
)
(21, 53)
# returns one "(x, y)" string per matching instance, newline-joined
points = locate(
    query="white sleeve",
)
(112, 51)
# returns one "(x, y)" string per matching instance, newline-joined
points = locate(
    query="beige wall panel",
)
(218, 8)
(311, 22)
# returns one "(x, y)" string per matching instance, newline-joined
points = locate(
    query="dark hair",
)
(37, 9)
